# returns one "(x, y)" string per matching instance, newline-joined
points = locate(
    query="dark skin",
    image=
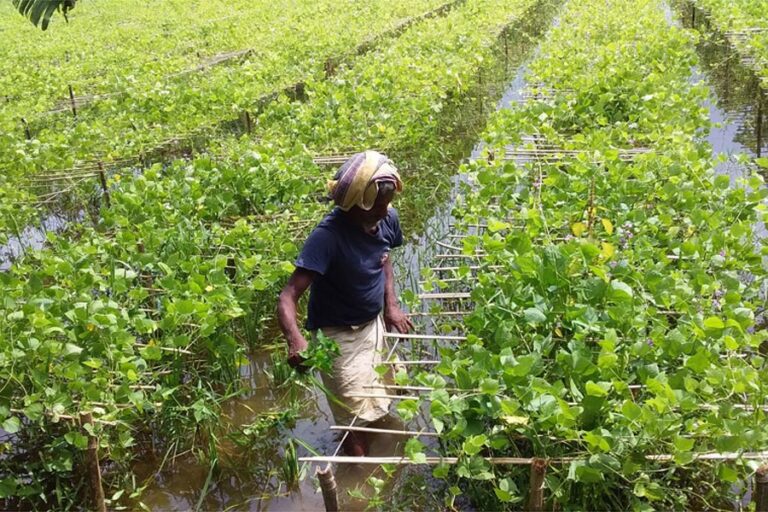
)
(301, 279)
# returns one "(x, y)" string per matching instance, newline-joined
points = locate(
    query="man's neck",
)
(357, 222)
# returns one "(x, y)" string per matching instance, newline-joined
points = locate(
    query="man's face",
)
(378, 212)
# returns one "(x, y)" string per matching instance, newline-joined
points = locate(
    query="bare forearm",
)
(390, 299)
(393, 316)
(287, 318)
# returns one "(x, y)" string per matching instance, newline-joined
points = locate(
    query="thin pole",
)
(759, 122)
(397, 335)
(104, 188)
(328, 486)
(536, 497)
(72, 101)
(760, 496)
(92, 466)
(27, 133)
(384, 431)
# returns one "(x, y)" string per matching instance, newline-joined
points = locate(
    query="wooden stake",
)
(104, 188)
(72, 101)
(26, 129)
(328, 486)
(536, 496)
(759, 122)
(760, 496)
(92, 466)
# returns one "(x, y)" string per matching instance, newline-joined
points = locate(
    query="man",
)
(352, 300)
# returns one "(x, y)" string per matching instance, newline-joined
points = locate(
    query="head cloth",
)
(356, 182)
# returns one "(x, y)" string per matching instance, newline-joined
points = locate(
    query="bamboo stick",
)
(328, 487)
(760, 496)
(104, 188)
(381, 395)
(92, 465)
(458, 256)
(444, 295)
(446, 280)
(447, 337)
(424, 362)
(341, 459)
(525, 461)
(166, 349)
(536, 485)
(469, 267)
(72, 101)
(384, 431)
(67, 417)
(415, 388)
(440, 313)
(741, 407)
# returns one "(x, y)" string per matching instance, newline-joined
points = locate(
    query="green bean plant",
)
(618, 327)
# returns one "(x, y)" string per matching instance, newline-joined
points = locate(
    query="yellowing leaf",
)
(607, 250)
(608, 225)
(578, 228)
(558, 332)
(515, 420)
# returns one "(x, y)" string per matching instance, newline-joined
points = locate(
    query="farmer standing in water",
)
(352, 298)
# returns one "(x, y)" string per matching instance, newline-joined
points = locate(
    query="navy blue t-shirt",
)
(349, 289)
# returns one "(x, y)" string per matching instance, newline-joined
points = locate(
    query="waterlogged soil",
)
(258, 486)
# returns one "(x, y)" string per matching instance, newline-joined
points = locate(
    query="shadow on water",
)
(254, 482)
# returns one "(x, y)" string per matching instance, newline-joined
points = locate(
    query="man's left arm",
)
(393, 315)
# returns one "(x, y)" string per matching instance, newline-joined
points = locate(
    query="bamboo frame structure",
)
(552, 154)
(436, 337)
(444, 295)
(527, 461)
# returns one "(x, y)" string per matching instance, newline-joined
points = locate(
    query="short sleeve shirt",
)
(349, 289)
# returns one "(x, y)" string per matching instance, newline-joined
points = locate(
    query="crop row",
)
(621, 312)
(139, 115)
(144, 318)
(745, 25)
(106, 51)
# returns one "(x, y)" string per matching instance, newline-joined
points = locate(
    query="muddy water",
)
(257, 484)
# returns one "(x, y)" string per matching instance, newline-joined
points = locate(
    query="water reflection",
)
(739, 101)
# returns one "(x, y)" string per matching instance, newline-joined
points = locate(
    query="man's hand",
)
(295, 347)
(394, 317)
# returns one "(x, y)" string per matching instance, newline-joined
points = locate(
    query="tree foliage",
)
(40, 12)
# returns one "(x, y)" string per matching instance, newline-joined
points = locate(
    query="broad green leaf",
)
(474, 444)
(621, 291)
(534, 316)
(683, 444)
(714, 322)
(414, 450)
(12, 425)
(631, 410)
(597, 388)
(699, 361)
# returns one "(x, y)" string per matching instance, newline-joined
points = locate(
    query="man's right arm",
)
(286, 312)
